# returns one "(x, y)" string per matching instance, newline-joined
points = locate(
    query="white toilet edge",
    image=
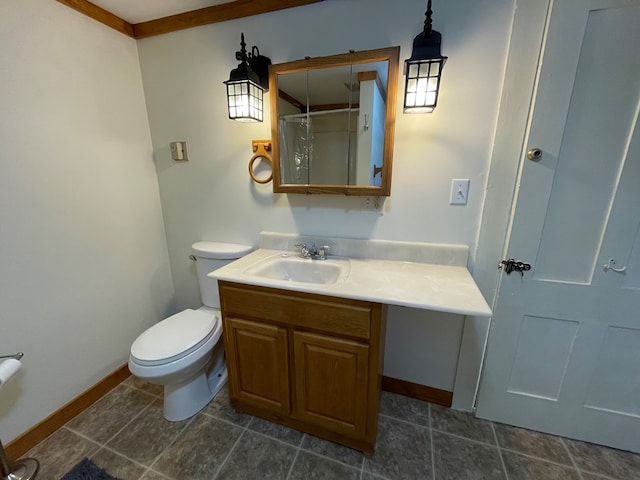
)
(161, 369)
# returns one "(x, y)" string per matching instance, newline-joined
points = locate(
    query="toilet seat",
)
(174, 337)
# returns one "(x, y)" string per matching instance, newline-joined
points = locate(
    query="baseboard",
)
(57, 419)
(415, 390)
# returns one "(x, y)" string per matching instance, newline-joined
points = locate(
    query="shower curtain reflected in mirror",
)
(296, 145)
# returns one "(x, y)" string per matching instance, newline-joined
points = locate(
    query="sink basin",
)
(303, 270)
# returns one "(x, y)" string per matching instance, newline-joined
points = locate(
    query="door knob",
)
(534, 154)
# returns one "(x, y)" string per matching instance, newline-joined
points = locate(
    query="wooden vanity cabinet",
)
(311, 362)
(258, 354)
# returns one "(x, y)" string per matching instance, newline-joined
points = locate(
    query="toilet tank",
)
(210, 256)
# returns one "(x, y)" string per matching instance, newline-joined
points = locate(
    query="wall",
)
(212, 197)
(83, 259)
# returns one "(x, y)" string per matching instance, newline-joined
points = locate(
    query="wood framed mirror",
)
(332, 123)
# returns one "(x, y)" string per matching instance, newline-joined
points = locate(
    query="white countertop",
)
(428, 286)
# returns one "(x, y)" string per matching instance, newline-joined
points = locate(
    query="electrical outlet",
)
(374, 204)
(459, 191)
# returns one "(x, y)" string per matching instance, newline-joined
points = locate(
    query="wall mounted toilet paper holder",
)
(17, 356)
(25, 468)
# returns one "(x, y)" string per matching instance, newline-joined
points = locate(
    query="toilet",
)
(184, 352)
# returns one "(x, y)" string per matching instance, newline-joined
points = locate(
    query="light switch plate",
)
(459, 191)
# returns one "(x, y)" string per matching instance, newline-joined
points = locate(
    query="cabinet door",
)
(258, 364)
(330, 376)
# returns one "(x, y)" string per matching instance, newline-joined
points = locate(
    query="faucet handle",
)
(304, 250)
(322, 251)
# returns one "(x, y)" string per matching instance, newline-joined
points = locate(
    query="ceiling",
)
(137, 11)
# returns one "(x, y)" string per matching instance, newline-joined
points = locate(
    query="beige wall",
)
(83, 259)
(84, 263)
(212, 197)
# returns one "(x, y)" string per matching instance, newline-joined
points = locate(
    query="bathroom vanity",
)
(308, 361)
(304, 338)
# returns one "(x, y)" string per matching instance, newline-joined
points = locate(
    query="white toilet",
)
(185, 351)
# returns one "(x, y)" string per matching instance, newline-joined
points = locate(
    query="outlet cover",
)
(375, 204)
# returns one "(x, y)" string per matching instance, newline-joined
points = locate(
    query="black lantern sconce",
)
(247, 84)
(423, 70)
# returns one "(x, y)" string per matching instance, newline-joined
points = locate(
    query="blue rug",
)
(87, 470)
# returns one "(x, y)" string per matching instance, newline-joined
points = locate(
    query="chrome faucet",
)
(313, 252)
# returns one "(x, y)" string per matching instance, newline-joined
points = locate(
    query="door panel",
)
(631, 280)
(563, 349)
(541, 357)
(620, 353)
(591, 157)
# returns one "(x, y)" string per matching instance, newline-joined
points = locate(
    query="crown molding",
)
(195, 18)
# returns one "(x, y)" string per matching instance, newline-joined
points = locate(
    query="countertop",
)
(444, 288)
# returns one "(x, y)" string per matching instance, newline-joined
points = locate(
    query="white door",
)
(564, 347)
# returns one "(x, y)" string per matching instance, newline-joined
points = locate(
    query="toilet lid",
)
(174, 337)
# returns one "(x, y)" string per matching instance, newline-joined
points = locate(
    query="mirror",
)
(332, 123)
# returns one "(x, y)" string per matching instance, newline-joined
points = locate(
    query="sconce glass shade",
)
(247, 84)
(423, 70)
(422, 84)
(245, 100)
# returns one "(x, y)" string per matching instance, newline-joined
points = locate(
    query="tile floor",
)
(125, 433)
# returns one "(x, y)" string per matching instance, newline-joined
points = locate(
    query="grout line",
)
(224, 462)
(597, 475)
(403, 421)
(300, 447)
(81, 435)
(306, 450)
(573, 461)
(260, 434)
(227, 421)
(575, 464)
(115, 452)
(362, 466)
(378, 477)
(155, 472)
(334, 459)
(117, 432)
(433, 447)
(542, 459)
(153, 398)
(465, 438)
(495, 437)
(294, 461)
(174, 439)
(133, 387)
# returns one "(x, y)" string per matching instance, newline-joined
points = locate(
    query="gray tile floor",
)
(125, 433)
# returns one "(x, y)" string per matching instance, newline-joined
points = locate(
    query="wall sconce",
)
(247, 84)
(423, 70)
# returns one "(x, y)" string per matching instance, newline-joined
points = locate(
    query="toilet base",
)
(184, 400)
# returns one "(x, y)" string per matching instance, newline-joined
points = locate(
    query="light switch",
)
(459, 191)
